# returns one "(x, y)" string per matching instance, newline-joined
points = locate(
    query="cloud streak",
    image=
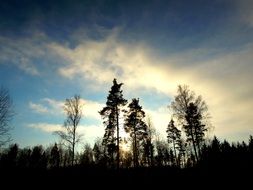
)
(22, 52)
(38, 108)
(51, 106)
(89, 132)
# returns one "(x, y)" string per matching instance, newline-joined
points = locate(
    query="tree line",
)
(216, 154)
(186, 144)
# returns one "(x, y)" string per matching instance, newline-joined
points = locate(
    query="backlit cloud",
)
(56, 107)
(224, 80)
(89, 132)
(38, 108)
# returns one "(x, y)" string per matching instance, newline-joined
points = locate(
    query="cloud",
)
(46, 127)
(38, 108)
(160, 119)
(222, 78)
(55, 107)
(22, 52)
(101, 61)
(89, 132)
(91, 109)
(47, 106)
(244, 10)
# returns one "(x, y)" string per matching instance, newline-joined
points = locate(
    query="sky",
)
(52, 50)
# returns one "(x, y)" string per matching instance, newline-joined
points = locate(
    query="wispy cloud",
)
(89, 132)
(55, 107)
(101, 61)
(23, 51)
(47, 106)
(244, 10)
(38, 108)
(91, 109)
(46, 127)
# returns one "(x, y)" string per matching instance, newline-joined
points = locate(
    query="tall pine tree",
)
(110, 114)
(194, 129)
(174, 138)
(136, 127)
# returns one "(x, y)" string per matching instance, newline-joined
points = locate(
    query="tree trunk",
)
(151, 155)
(136, 164)
(117, 118)
(73, 148)
(197, 141)
(134, 152)
(174, 147)
(194, 145)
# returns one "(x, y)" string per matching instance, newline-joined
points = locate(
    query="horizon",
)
(51, 51)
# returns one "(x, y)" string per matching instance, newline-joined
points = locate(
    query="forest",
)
(187, 154)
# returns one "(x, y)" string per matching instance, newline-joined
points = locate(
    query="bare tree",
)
(73, 110)
(6, 115)
(192, 113)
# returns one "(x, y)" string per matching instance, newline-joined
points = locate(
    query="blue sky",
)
(50, 51)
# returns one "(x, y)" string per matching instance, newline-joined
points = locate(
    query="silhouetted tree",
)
(110, 113)
(73, 110)
(8, 158)
(174, 138)
(148, 146)
(87, 156)
(162, 157)
(194, 129)
(251, 144)
(38, 157)
(136, 127)
(6, 115)
(12, 155)
(55, 156)
(215, 145)
(191, 111)
(182, 152)
(66, 157)
(99, 153)
(24, 158)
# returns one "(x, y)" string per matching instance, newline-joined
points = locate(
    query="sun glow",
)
(125, 146)
(125, 143)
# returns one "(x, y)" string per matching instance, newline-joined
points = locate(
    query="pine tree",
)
(194, 129)
(148, 146)
(98, 150)
(110, 113)
(55, 156)
(174, 138)
(181, 155)
(136, 127)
